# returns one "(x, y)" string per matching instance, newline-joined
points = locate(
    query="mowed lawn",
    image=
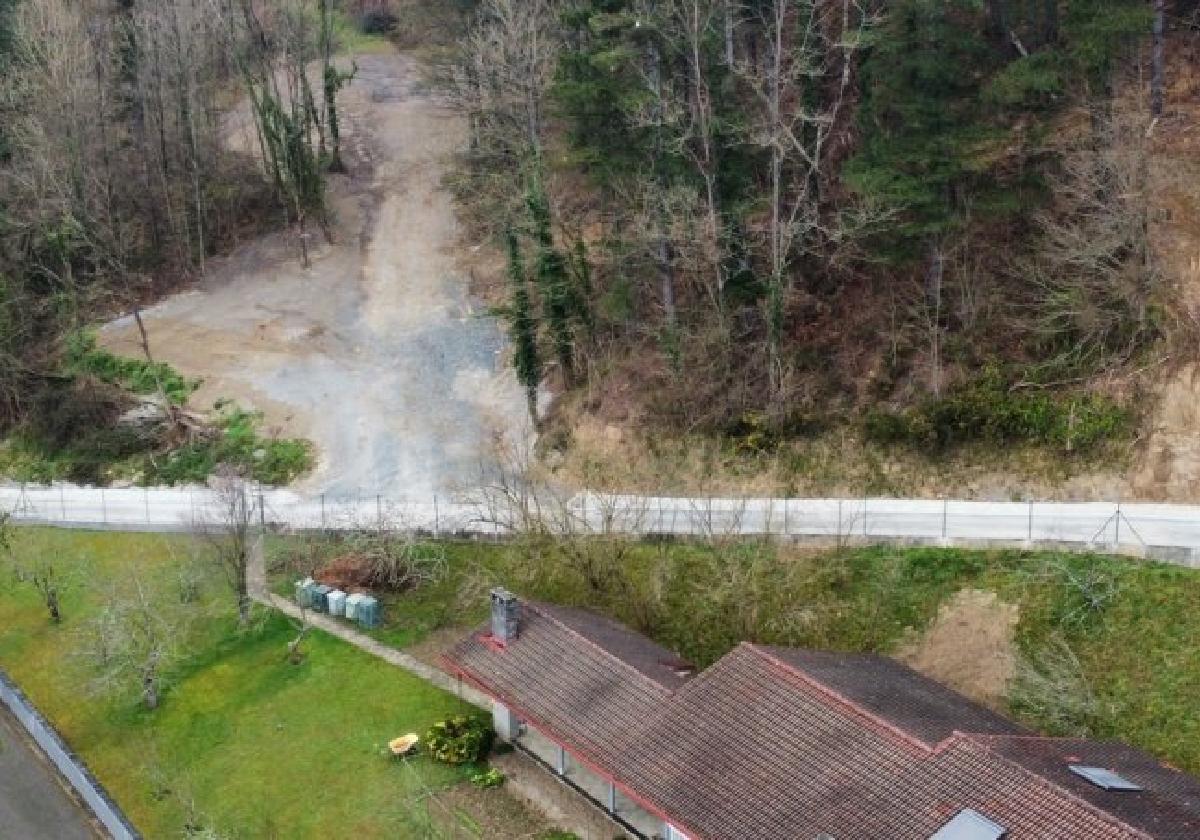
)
(244, 743)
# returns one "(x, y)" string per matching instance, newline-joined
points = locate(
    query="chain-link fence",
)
(1170, 532)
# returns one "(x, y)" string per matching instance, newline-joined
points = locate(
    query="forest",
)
(117, 184)
(927, 222)
(932, 221)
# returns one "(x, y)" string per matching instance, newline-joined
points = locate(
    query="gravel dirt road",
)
(376, 353)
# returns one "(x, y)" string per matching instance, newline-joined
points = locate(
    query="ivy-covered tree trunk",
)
(523, 327)
(553, 282)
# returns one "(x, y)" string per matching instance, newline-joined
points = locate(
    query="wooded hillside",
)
(931, 220)
(118, 180)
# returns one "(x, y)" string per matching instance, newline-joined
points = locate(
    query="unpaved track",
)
(376, 353)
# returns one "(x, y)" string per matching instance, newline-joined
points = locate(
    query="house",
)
(784, 743)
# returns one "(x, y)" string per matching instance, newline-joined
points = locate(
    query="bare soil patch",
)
(970, 646)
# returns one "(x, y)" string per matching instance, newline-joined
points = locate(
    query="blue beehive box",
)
(368, 612)
(320, 594)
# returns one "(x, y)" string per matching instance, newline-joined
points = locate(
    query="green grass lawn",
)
(244, 742)
(1138, 646)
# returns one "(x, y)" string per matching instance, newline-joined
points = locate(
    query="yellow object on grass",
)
(404, 745)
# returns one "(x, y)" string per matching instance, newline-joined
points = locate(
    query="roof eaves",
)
(580, 753)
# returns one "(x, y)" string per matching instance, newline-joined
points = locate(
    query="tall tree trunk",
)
(933, 292)
(662, 245)
(1159, 67)
(1050, 22)
(729, 32)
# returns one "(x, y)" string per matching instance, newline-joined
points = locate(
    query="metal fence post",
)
(146, 491)
(62, 502)
(1029, 536)
(103, 507)
(1117, 528)
(945, 518)
(437, 518)
(322, 511)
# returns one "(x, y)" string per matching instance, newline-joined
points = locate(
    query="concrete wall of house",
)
(506, 724)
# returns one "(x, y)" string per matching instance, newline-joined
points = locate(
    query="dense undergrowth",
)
(78, 434)
(1108, 645)
(989, 411)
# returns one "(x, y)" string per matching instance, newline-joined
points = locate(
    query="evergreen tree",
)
(522, 326)
(922, 122)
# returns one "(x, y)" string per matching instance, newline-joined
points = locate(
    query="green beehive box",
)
(319, 595)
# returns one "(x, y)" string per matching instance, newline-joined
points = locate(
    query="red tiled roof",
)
(922, 708)
(1168, 806)
(574, 688)
(778, 743)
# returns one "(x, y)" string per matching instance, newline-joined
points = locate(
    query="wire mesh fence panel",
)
(1079, 524)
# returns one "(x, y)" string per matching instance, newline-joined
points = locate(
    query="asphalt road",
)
(33, 803)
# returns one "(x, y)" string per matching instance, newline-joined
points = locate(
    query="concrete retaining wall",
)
(67, 763)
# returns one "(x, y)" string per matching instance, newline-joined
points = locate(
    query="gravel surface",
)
(376, 353)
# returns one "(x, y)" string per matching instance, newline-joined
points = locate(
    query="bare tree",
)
(510, 57)
(801, 84)
(1092, 278)
(230, 529)
(50, 575)
(138, 635)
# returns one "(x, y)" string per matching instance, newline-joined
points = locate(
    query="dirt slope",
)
(375, 353)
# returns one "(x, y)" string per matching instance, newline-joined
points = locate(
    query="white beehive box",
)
(337, 602)
(351, 606)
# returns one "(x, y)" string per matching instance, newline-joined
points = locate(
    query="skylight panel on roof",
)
(1103, 778)
(970, 825)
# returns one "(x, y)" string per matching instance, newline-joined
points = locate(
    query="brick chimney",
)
(505, 610)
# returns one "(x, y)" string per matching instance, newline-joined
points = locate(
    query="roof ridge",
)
(979, 741)
(643, 677)
(875, 721)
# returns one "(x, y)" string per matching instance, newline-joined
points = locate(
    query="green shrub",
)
(460, 740)
(266, 460)
(83, 357)
(990, 411)
(489, 778)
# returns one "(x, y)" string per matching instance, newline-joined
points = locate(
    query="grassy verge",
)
(1133, 628)
(245, 743)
